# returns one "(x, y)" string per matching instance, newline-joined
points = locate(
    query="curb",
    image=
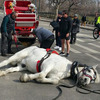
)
(87, 28)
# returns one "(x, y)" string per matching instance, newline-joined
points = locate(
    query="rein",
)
(75, 76)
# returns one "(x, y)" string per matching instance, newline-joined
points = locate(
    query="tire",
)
(96, 33)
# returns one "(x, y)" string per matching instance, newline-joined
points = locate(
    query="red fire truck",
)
(26, 20)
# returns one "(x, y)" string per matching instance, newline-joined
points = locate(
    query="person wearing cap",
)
(58, 39)
(7, 29)
(45, 37)
(64, 32)
(75, 28)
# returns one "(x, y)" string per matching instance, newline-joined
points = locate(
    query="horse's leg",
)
(28, 77)
(12, 69)
(40, 75)
(14, 59)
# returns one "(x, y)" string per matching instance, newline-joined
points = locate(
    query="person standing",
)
(45, 37)
(58, 39)
(95, 20)
(64, 32)
(83, 20)
(75, 29)
(7, 29)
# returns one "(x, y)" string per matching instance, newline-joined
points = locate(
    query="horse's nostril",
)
(80, 81)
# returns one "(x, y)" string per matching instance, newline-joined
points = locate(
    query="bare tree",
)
(56, 4)
(1, 3)
(72, 3)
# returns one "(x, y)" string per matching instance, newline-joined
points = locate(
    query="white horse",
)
(53, 69)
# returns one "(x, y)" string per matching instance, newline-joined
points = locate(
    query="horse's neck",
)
(70, 66)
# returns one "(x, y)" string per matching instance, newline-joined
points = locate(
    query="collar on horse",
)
(39, 62)
(75, 65)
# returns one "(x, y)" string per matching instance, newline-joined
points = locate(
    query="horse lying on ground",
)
(53, 69)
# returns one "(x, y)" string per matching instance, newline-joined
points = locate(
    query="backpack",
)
(54, 24)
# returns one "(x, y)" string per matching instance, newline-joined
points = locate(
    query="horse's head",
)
(88, 75)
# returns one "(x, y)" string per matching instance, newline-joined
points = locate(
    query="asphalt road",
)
(86, 50)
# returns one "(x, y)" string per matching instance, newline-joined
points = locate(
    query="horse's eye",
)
(89, 70)
(85, 79)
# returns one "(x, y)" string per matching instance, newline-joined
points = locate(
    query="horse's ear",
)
(95, 66)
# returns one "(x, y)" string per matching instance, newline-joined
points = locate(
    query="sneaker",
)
(61, 53)
(60, 48)
(56, 47)
(67, 55)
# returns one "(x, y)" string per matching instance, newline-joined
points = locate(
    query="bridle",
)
(84, 70)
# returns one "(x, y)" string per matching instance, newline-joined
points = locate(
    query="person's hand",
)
(74, 23)
(6, 34)
(15, 37)
(67, 34)
(52, 30)
(14, 33)
(58, 33)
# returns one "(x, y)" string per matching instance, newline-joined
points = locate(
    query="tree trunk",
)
(57, 9)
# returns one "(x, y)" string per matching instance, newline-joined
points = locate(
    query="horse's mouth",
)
(82, 82)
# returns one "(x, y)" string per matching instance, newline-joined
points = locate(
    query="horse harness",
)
(39, 62)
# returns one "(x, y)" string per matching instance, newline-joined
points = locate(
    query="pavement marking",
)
(84, 35)
(80, 40)
(98, 46)
(93, 56)
(91, 50)
(75, 51)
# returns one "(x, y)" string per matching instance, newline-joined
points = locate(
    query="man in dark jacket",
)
(7, 28)
(64, 32)
(58, 39)
(45, 37)
(75, 29)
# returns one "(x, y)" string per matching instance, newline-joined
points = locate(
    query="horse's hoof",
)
(24, 78)
(2, 73)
